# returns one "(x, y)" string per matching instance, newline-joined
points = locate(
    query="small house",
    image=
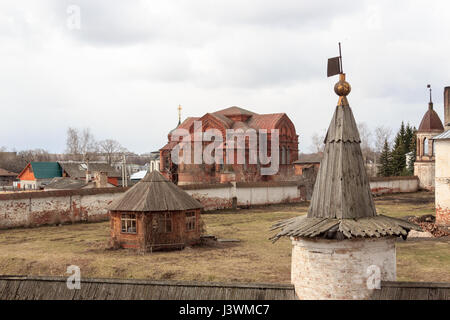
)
(308, 164)
(83, 171)
(7, 177)
(37, 174)
(155, 214)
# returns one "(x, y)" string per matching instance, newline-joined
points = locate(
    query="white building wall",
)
(442, 182)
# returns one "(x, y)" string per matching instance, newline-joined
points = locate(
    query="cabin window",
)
(165, 223)
(190, 221)
(128, 223)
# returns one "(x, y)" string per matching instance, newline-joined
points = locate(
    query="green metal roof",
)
(46, 170)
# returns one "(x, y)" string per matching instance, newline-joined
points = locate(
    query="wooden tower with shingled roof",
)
(342, 248)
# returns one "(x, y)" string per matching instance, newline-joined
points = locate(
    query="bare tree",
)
(72, 141)
(34, 155)
(317, 144)
(88, 144)
(111, 149)
(366, 141)
(81, 144)
(382, 133)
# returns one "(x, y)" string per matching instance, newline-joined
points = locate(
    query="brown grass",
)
(49, 250)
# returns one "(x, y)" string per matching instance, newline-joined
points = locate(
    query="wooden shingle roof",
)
(78, 170)
(55, 288)
(342, 205)
(6, 173)
(154, 193)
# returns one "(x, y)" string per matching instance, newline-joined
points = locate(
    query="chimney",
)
(101, 179)
(447, 108)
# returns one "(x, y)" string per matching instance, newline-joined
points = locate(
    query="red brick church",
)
(223, 120)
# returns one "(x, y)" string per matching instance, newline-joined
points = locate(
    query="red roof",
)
(236, 118)
(232, 111)
(431, 121)
(265, 121)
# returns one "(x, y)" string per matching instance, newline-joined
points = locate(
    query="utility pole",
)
(124, 172)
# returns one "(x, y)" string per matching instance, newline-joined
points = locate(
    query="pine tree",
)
(385, 161)
(412, 149)
(399, 153)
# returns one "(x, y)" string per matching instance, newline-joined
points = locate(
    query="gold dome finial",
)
(342, 89)
(179, 114)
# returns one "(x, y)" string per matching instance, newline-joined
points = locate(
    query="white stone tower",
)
(424, 166)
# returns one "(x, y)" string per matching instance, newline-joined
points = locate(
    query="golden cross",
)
(179, 113)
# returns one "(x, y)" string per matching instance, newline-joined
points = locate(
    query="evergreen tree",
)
(412, 149)
(409, 137)
(398, 155)
(385, 161)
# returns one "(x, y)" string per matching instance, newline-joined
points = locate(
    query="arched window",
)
(425, 147)
(432, 147)
(288, 156)
(283, 155)
(418, 148)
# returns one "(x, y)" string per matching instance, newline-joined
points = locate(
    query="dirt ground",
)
(49, 250)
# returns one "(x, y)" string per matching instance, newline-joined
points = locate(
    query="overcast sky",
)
(124, 72)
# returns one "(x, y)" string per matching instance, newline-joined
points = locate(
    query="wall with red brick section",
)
(23, 209)
(382, 185)
(220, 196)
(442, 182)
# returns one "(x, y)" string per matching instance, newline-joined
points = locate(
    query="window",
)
(190, 221)
(128, 223)
(165, 223)
(425, 147)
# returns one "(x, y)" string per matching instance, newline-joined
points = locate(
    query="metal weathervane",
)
(335, 64)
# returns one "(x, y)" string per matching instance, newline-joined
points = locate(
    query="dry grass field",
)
(49, 250)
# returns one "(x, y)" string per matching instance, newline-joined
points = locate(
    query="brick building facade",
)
(233, 118)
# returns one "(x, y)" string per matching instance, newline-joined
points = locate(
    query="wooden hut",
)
(155, 214)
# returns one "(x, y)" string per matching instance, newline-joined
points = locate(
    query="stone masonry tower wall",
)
(343, 270)
(447, 108)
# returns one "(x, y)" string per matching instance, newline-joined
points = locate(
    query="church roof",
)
(232, 118)
(232, 111)
(265, 121)
(430, 121)
(342, 205)
(154, 193)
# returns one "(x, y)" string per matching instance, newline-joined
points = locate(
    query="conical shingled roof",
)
(342, 205)
(154, 193)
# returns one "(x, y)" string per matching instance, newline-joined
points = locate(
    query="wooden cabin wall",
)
(146, 238)
(127, 240)
(179, 234)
